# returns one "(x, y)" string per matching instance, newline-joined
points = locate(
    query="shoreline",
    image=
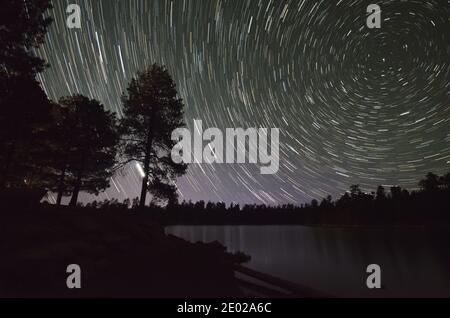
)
(324, 226)
(120, 255)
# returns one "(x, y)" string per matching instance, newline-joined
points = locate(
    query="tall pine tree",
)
(152, 110)
(24, 107)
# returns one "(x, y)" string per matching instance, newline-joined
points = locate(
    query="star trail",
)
(354, 105)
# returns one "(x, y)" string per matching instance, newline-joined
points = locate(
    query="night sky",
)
(353, 104)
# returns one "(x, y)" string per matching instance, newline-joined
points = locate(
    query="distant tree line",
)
(427, 206)
(75, 144)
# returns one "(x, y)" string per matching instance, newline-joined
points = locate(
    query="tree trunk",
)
(144, 186)
(61, 186)
(146, 172)
(76, 191)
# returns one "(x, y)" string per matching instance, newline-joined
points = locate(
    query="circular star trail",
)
(354, 105)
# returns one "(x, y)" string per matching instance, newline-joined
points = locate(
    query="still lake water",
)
(414, 262)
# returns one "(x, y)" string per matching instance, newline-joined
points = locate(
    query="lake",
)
(414, 262)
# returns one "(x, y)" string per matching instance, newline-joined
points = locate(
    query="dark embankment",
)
(121, 254)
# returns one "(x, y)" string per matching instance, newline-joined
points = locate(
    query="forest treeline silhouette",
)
(75, 144)
(427, 205)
